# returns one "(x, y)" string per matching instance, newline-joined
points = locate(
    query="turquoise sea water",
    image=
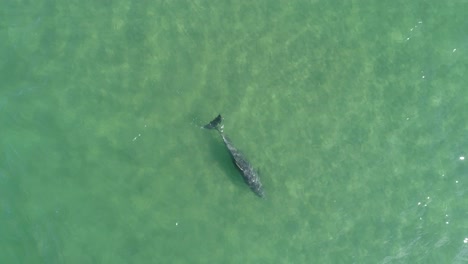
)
(354, 112)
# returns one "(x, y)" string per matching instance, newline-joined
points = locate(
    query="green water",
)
(354, 112)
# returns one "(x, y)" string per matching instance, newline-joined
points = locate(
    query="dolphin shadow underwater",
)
(249, 174)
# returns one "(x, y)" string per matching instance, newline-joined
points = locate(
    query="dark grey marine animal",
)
(248, 172)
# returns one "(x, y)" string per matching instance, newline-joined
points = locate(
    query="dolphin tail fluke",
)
(214, 123)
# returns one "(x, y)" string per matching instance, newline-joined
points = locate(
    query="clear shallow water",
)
(354, 114)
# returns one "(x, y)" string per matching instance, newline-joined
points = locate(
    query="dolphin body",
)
(246, 169)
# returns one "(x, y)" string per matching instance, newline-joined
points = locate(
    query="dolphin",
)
(249, 174)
